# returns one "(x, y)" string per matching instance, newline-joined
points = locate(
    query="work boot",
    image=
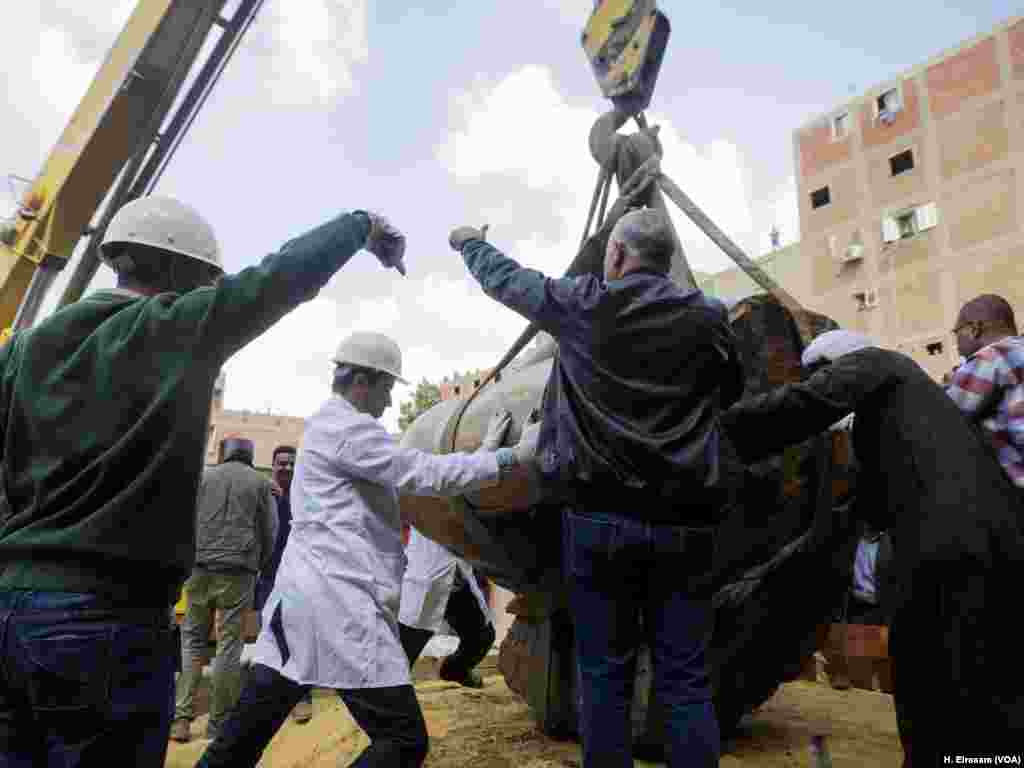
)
(303, 711)
(470, 679)
(181, 731)
(840, 681)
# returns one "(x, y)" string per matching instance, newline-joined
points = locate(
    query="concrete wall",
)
(962, 117)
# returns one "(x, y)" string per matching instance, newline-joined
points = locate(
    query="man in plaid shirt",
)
(989, 386)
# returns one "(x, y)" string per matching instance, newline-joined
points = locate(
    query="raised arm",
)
(763, 425)
(242, 306)
(370, 453)
(549, 302)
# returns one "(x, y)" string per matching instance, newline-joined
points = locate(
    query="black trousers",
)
(476, 635)
(390, 716)
(959, 686)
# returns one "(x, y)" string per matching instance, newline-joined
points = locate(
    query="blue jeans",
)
(83, 683)
(630, 583)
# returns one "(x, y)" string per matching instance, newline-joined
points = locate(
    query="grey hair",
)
(646, 235)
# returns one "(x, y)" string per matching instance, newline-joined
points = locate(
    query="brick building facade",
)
(911, 198)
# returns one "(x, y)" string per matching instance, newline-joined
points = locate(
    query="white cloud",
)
(287, 369)
(307, 48)
(575, 12)
(441, 325)
(297, 53)
(545, 159)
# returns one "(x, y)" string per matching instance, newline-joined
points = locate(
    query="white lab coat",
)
(428, 582)
(331, 619)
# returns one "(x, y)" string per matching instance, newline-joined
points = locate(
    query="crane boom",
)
(118, 119)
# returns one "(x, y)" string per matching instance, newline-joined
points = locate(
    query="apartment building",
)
(911, 198)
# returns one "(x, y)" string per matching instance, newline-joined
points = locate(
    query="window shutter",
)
(927, 217)
(890, 230)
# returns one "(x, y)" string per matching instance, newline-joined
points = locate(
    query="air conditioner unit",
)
(885, 117)
(866, 299)
(853, 252)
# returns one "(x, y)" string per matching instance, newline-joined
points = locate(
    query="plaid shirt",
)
(989, 387)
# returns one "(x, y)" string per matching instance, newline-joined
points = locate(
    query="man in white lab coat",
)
(439, 587)
(331, 620)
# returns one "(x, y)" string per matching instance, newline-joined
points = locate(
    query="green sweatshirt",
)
(105, 413)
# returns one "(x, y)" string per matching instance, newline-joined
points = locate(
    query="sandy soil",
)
(492, 728)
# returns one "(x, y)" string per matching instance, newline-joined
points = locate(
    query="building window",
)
(887, 105)
(902, 162)
(851, 253)
(935, 348)
(840, 126)
(910, 222)
(820, 197)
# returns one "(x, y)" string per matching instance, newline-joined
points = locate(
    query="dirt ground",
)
(492, 728)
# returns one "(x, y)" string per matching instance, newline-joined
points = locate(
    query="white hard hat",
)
(371, 350)
(164, 223)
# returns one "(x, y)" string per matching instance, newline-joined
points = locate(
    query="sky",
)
(438, 114)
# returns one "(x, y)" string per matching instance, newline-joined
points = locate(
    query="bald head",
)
(982, 321)
(640, 239)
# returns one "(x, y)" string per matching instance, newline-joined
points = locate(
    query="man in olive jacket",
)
(236, 529)
(927, 476)
(104, 411)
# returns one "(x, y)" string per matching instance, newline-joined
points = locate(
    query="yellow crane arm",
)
(118, 117)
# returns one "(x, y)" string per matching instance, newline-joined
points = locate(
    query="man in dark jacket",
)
(236, 529)
(630, 433)
(927, 476)
(283, 468)
(105, 408)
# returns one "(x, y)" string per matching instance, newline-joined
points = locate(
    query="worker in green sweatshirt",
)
(105, 410)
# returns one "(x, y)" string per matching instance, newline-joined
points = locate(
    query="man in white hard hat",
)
(440, 587)
(106, 406)
(331, 620)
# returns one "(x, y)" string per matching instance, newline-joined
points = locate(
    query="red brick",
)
(969, 74)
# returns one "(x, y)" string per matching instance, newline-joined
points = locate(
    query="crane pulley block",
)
(625, 42)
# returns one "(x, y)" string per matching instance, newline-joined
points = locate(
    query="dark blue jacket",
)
(268, 573)
(642, 372)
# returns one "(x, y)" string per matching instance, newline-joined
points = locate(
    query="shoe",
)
(470, 679)
(181, 731)
(303, 711)
(840, 681)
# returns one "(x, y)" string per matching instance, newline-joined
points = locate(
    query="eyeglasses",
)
(974, 325)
